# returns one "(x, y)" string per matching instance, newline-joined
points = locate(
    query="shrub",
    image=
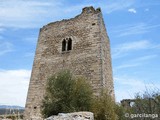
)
(120, 112)
(147, 103)
(103, 107)
(65, 93)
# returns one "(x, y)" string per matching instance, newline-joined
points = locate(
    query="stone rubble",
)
(73, 116)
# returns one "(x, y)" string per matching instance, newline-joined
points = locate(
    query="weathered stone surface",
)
(89, 56)
(73, 116)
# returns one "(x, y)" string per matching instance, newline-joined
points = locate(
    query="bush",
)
(103, 107)
(64, 93)
(148, 103)
(120, 112)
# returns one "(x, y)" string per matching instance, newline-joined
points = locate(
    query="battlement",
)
(85, 11)
(90, 9)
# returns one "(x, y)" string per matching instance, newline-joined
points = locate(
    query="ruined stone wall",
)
(89, 57)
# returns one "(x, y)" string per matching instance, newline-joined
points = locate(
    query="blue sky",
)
(132, 26)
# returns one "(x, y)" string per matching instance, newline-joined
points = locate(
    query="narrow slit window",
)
(69, 44)
(64, 45)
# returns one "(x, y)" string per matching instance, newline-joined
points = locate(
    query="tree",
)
(148, 103)
(65, 93)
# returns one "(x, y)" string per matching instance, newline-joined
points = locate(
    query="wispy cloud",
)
(132, 10)
(31, 39)
(144, 58)
(107, 6)
(136, 45)
(15, 13)
(124, 48)
(146, 10)
(135, 83)
(139, 61)
(34, 13)
(129, 86)
(126, 66)
(5, 47)
(112, 6)
(13, 87)
(134, 29)
(2, 30)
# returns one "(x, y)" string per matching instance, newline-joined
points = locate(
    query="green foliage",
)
(120, 112)
(64, 93)
(103, 107)
(148, 103)
(82, 95)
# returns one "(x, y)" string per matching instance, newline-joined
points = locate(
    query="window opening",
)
(69, 47)
(64, 45)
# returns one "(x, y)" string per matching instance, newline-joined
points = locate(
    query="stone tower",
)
(79, 44)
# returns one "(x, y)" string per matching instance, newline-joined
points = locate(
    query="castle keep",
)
(79, 44)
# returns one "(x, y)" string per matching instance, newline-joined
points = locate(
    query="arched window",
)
(69, 47)
(63, 45)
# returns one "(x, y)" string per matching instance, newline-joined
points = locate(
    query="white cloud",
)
(123, 94)
(2, 30)
(134, 62)
(34, 13)
(126, 66)
(133, 29)
(5, 47)
(15, 13)
(129, 86)
(132, 10)
(117, 5)
(31, 39)
(14, 86)
(144, 58)
(146, 10)
(124, 48)
(136, 45)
